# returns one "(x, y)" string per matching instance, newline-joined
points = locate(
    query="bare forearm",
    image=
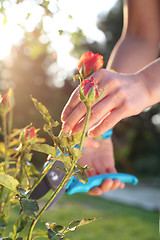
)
(139, 43)
(151, 76)
(131, 54)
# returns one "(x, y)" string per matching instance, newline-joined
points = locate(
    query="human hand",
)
(99, 156)
(123, 96)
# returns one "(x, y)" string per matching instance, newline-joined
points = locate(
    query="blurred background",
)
(40, 44)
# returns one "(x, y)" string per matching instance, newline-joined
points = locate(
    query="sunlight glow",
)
(84, 15)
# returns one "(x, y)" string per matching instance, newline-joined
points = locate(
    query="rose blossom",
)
(89, 63)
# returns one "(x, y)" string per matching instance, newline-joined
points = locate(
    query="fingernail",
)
(63, 118)
(90, 134)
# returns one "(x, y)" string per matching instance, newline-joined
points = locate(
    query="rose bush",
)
(18, 175)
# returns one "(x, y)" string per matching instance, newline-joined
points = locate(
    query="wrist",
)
(145, 89)
(150, 79)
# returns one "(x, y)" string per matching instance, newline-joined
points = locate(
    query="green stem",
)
(15, 234)
(10, 121)
(40, 178)
(5, 140)
(85, 125)
(6, 201)
(60, 134)
(19, 164)
(88, 106)
(24, 167)
(49, 202)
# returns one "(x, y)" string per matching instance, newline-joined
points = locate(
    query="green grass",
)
(116, 221)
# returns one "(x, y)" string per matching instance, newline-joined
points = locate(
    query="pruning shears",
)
(54, 177)
(56, 174)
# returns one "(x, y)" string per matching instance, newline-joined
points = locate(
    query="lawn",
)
(116, 221)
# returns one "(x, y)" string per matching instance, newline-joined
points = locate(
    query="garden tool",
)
(56, 174)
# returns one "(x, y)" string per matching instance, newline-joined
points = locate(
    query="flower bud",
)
(28, 135)
(90, 63)
(6, 102)
(89, 91)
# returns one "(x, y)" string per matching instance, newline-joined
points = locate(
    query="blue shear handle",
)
(107, 134)
(76, 186)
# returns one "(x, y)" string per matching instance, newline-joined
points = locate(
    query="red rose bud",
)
(29, 134)
(6, 102)
(89, 91)
(90, 63)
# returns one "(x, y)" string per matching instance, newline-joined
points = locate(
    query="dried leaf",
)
(74, 224)
(44, 111)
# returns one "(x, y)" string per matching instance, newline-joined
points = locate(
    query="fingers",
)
(107, 185)
(71, 104)
(77, 113)
(100, 109)
(75, 110)
(95, 191)
(107, 122)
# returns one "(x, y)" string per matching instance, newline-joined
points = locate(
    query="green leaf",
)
(27, 157)
(14, 143)
(44, 148)
(22, 222)
(65, 159)
(75, 153)
(55, 231)
(31, 170)
(44, 111)
(75, 224)
(81, 174)
(29, 206)
(9, 182)
(3, 222)
(54, 227)
(15, 133)
(40, 232)
(5, 20)
(53, 235)
(23, 192)
(70, 140)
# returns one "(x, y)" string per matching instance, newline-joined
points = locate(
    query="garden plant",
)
(18, 175)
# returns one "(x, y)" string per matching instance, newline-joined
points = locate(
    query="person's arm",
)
(138, 46)
(139, 42)
(124, 95)
(135, 49)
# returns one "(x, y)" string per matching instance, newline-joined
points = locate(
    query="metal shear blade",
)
(51, 181)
